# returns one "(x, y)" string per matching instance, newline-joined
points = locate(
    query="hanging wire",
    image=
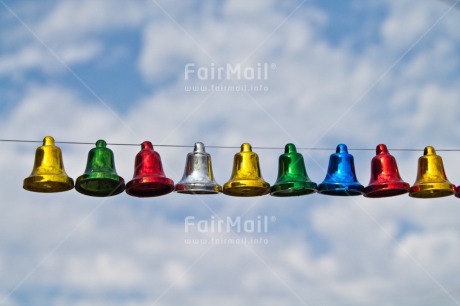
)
(454, 3)
(220, 147)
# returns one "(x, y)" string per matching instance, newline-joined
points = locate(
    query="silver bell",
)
(198, 177)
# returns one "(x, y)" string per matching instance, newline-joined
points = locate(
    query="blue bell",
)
(341, 177)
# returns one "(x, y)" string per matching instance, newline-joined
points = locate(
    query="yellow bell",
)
(431, 178)
(246, 179)
(48, 174)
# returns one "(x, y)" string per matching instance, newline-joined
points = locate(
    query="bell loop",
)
(146, 145)
(199, 148)
(246, 147)
(101, 143)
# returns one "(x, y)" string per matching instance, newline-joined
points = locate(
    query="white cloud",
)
(165, 53)
(37, 57)
(73, 20)
(102, 270)
(71, 30)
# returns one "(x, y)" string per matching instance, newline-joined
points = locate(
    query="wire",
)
(452, 2)
(219, 147)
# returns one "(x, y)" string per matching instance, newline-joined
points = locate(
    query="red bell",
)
(149, 178)
(385, 180)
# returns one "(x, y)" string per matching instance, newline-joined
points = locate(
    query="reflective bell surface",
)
(198, 177)
(100, 178)
(149, 178)
(246, 179)
(341, 178)
(385, 180)
(48, 174)
(292, 176)
(431, 178)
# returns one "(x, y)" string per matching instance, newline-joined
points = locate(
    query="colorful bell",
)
(385, 180)
(149, 178)
(431, 178)
(341, 177)
(100, 178)
(198, 177)
(246, 179)
(48, 174)
(292, 175)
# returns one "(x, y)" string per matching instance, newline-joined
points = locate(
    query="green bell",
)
(292, 176)
(100, 178)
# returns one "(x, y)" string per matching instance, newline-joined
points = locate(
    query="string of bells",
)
(100, 178)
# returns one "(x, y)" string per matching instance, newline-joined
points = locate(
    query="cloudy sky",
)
(354, 72)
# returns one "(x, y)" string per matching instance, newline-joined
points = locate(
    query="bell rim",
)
(341, 192)
(32, 183)
(253, 191)
(292, 193)
(197, 192)
(393, 192)
(120, 186)
(432, 190)
(431, 195)
(383, 190)
(138, 189)
(338, 189)
(195, 188)
(293, 189)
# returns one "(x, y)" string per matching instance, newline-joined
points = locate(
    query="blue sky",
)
(353, 72)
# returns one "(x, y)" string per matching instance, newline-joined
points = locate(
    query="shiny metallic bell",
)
(100, 178)
(341, 177)
(48, 173)
(149, 179)
(246, 179)
(431, 179)
(292, 176)
(198, 177)
(385, 180)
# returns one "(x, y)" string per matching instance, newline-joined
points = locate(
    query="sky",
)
(354, 72)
